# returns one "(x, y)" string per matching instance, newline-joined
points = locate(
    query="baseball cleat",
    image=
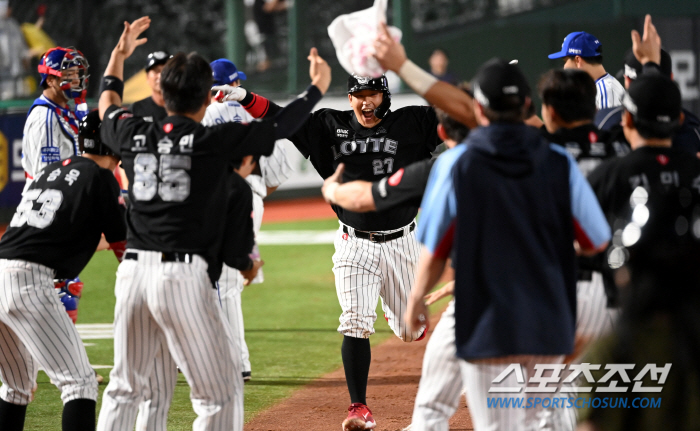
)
(359, 418)
(425, 331)
(246, 376)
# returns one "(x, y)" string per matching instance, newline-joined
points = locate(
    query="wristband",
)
(329, 192)
(114, 84)
(416, 78)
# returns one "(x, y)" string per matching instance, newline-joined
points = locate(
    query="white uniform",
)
(609, 92)
(35, 330)
(50, 135)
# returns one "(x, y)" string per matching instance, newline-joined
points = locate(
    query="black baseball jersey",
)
(657, 169)
(177, 171)
(404, 187)
(148, 109)
(404, 136)
(587, 145)
(62, 215)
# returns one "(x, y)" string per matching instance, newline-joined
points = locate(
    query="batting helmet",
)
(359, 83)
(58, 59)
(89, 140)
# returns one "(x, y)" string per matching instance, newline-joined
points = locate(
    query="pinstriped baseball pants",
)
(35, 330)
(366, 271)
(172, 303)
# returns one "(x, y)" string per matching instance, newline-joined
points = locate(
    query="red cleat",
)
(425, 331)
(360, 418)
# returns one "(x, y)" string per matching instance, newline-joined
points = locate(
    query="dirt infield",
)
(393, 382)
(394, 372)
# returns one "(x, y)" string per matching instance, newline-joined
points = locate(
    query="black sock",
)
(79, 415)
(12, 416)
(356, 358)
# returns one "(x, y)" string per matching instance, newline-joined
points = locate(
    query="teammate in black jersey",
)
(177, 171)
(152, 108)
(375, 252)
(53, 234)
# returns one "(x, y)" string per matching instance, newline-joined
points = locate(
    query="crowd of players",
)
(544, 259)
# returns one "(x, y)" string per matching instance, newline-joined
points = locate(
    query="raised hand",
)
(389, 53)
(319, 71)
(647, 47)
(129, 40)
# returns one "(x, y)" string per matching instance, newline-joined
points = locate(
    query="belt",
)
(379, 236)
(165, 257)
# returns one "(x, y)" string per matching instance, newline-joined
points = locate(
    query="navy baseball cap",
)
(633, 68)
(579, 43)
(225, 72)
(496, 82)
(654, 101)
(157, 57)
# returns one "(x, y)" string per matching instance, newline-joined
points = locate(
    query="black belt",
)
(379, 236)
(165, 257)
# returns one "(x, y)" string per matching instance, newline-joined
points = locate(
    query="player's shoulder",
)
(608, 118)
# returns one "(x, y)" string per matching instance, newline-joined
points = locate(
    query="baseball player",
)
(375, 252)
(268, 173)
(494, 167)
(152, 108)
(658, 251)
(441, 383)
(687, 137)
(177, 172)
(51, 129)
(53, 234)
(584, 51)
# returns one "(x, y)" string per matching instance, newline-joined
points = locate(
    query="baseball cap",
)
(496, 82)
(633, 68)
(579, 43)
(157, 57)
(225, 72)
(654, 101)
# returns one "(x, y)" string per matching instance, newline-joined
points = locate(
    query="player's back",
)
(226, 112)
(609, 92)
(62, 216)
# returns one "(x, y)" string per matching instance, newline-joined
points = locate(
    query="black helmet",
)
(359, 83)
(89, 136)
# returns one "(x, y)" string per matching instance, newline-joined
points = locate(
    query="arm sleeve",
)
(439, 207)
(112, 210)
(405, 186)
(428, 120)
(256, 138)
(292, 117)
(41, 141)
(239, 236)
(591, 227)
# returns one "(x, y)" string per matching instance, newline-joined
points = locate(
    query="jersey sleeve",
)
(239, 235)
(112, 209)
(439, 207)
(591, 227)
(256, 138)
(429, 122)
(275, 168)
(117, 124)
(405, 186)
(41, 143)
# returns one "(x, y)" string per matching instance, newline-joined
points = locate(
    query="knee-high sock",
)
(79, 415)
(12, 416)
(356, 359)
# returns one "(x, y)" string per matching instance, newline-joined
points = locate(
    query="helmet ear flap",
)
(383, 107)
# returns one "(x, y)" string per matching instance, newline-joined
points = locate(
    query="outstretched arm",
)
(354, 196)
(392, 56)
(115, 68)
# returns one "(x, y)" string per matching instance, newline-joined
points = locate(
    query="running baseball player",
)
(53, 234)
(441, 383)
(177, 172)
(375, 252)
(51, 129)
(494, 163)
(152, 108)
(584, 51)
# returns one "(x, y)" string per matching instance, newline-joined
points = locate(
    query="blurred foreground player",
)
(53, 234)
(652, 200)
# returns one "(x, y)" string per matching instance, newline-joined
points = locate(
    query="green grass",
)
(291, 322)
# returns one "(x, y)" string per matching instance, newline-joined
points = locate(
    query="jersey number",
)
(50, 200)
(174, 183)
(378, 165)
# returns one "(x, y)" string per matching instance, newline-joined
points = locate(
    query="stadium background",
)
(291, 318)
